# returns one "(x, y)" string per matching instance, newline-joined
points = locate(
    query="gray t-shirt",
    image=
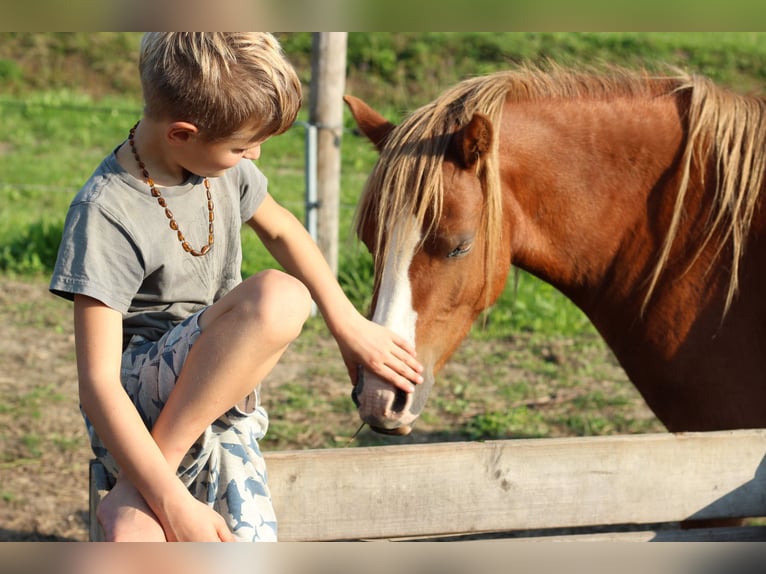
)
(117, 245)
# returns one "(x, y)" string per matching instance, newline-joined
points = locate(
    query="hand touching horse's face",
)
(430, 270)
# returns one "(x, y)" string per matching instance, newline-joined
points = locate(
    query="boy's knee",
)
(284, 302)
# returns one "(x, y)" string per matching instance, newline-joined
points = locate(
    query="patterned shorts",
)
(224, 468)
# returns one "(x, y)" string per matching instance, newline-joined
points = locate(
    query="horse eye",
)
(460, 250)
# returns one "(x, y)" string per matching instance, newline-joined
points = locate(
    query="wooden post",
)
(328, 82)
(99, 486)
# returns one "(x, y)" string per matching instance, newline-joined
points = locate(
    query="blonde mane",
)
(725, 130)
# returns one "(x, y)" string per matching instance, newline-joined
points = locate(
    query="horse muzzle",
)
(386, 409)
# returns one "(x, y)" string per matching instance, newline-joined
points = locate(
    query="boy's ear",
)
(181, 132)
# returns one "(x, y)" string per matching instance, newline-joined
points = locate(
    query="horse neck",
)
(578, 178)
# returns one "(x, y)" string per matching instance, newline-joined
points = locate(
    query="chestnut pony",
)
(637, 196)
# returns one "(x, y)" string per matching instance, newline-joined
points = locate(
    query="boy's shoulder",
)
(247, 168)
(246, 174)
(108, 173)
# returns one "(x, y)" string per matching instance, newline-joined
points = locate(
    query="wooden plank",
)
(446, 488)
(730, 534)
(670, 532)
(98, 484)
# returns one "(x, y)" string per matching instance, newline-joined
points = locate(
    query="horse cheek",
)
(439, 294)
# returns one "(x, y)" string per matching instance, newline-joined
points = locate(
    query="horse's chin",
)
(398, 431)
(388, 410)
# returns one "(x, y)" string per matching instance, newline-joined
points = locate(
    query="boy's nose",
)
(254, 152)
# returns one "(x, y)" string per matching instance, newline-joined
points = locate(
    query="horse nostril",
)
(400, 401)
(355, 396)
(398, 405)
(358, 386)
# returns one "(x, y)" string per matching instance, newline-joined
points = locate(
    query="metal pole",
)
(312, 203)
(311, 200)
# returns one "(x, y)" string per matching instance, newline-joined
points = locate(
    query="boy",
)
(171, 344)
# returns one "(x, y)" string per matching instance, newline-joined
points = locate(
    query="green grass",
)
(31, 402)
(49, 144)
(520, 422)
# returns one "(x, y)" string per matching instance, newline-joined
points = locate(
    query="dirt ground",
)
(44, 452)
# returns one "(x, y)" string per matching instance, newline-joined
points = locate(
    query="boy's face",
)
(212, 159)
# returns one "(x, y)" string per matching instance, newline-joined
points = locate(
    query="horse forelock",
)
(724, 128)
(406, 183)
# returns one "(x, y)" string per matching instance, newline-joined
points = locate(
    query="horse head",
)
(424, 216)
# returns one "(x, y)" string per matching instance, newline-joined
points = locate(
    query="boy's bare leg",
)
(243, 337)
(125, 516)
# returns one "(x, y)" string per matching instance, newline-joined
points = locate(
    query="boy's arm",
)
(98, 341)
(361, 341)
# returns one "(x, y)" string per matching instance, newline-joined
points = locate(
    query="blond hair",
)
(219, 81)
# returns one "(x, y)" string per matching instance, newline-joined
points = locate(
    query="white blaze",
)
(393, 307)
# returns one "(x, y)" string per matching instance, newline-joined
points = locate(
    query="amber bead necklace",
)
(169, 214)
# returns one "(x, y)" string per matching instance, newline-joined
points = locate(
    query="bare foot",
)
(125, 516)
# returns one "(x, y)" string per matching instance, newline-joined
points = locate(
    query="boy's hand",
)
(382, 352)
(125, 516)
(189, 520)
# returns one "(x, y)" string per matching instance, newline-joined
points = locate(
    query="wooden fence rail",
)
(531, 486)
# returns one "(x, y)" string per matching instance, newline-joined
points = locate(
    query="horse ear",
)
(370, 122)
(472, 141)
